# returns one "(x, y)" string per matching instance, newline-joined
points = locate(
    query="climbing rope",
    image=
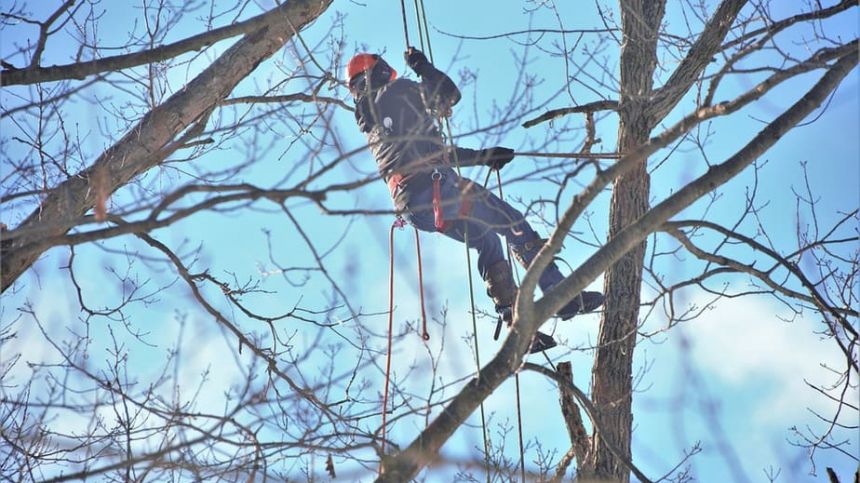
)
(520, 430)
(477, 349)
(579, 155)
(426, 30)
(422, 37)
(425, 335)
(418, 22)
(398, 223)
(517, 374)
(405, 27)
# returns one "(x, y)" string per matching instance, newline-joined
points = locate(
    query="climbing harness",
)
(438, 213)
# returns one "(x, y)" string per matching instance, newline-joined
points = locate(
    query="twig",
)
(592, 412)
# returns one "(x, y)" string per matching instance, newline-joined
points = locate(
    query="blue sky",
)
(739, 361)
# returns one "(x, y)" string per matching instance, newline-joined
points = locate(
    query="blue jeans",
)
(488, 217)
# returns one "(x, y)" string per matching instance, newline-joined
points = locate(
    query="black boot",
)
(541, 343)
(502, 289)
(526, 252)
(582, 303)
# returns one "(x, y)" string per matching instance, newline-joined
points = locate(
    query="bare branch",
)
(716, 176)
(572, 419)
(589, 108)
(593, 413)
(707, 44)
(148, 143)
(783, 24)
(79, 70)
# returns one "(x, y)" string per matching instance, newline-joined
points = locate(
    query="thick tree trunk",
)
(425, 448)
(153, 139)
(612, 373)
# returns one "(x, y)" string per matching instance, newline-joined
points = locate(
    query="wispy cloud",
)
(742, 342)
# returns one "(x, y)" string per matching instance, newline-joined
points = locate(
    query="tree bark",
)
(640, 109)
(612, 380)
(573, 418)
(152, 139)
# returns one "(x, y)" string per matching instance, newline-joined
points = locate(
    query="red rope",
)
(438, 214)
(424, 334)
(399, 223)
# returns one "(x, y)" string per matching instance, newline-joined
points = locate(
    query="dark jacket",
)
(400, 124)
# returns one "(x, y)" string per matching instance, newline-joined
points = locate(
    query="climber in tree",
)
(398, 118)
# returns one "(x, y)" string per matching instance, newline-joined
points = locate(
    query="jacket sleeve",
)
(439, 90)
(470, 157)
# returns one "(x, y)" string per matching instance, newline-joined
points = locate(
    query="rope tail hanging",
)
(425, 335)
(398, 223)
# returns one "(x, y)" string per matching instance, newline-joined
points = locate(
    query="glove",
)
(416, 60)
(496, 158)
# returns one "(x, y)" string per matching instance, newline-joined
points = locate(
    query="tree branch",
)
(555, 299)
(783, 24)
(717, 175)
(79, 70)
(299, 96)
(566, 386)
(144, 146)
(44, 27)
(673, 228)
(572, 419)
(591, 107)
(665, 98)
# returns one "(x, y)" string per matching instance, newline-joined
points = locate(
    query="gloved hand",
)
(416, 59)
(498, 157)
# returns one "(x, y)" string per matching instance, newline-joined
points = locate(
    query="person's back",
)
(399, 118)
(401, 133)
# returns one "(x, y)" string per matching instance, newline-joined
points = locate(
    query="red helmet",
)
(363, 63)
